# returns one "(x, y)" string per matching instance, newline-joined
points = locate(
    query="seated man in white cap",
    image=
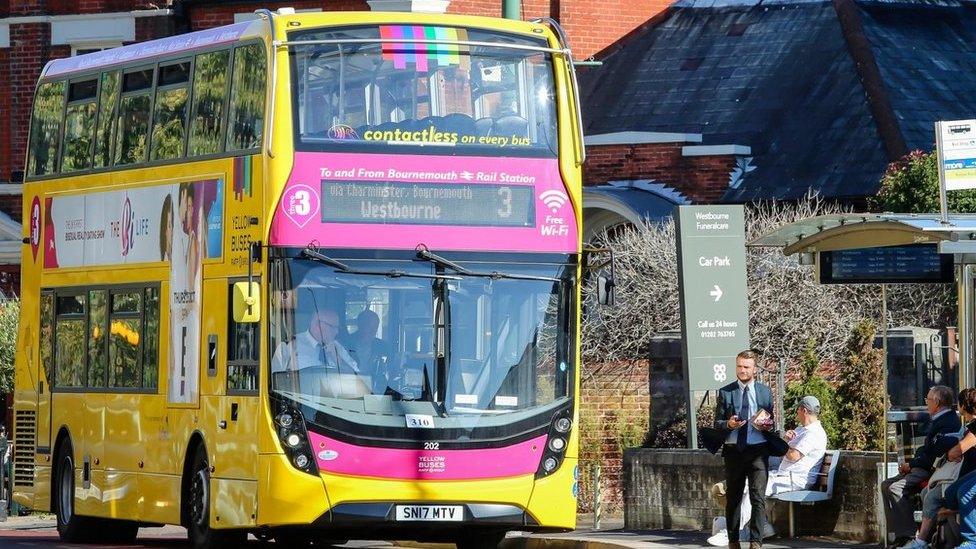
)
(797, 471)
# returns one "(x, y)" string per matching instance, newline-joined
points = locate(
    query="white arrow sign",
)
(716, 293)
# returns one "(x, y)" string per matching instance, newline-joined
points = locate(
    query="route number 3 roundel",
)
(35, 226)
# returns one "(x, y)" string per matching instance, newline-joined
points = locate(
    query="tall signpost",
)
(955, 145)
(714, 303)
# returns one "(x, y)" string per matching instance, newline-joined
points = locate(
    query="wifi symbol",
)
(554, 199)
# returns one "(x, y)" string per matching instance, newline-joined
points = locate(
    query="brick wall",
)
(669, 489)
(700, 178)
(591, 27)
(614, 406)
(29, 49)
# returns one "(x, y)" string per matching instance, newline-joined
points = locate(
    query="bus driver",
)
(316, 347)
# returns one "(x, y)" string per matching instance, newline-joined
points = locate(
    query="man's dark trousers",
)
(752, 464)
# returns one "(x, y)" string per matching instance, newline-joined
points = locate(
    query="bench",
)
(822, 490)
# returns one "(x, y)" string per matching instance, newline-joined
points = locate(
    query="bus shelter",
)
(892, 248)
(815, 238)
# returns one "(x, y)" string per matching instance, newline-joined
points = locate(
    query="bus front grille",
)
(25, 432)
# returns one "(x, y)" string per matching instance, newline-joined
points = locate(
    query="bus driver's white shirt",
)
(309, 352)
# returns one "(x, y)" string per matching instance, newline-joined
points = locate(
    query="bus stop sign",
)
(712, 285)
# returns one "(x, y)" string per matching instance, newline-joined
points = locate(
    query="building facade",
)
(32, 32)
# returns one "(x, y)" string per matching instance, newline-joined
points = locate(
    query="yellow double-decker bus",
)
(312, 277)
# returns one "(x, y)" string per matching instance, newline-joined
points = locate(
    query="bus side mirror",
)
(247, 302)
(604, 290)
(604, 283)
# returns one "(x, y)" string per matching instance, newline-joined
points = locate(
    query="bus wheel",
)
(484, 540)
(198, 501)
(71, 527)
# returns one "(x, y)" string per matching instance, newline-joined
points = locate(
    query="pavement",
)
(39, 531)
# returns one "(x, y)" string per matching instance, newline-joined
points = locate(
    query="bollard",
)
(596, 497)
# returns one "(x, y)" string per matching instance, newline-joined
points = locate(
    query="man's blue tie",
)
(743, 435)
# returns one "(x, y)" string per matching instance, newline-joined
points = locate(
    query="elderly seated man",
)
(797, 471)
(941, 434)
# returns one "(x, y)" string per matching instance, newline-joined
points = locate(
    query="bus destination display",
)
(891, 264)
(428, 203)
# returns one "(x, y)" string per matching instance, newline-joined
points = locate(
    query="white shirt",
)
(811, 441)
(307, 352)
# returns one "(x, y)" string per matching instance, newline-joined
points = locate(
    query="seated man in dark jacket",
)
(940, 435)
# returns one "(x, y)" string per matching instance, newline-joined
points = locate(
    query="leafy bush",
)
(816, 385)
(862, 391)
(911, 185)
(9, 317)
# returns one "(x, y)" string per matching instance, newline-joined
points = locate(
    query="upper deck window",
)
(431, 98)
(79, 126)
(46, 129)
(247, 98)
(170, 111)
(132, 133)
(209, 103)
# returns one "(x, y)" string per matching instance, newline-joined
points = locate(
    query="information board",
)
(921, 263)
(956, 140)
(714, 303)
(428, 203)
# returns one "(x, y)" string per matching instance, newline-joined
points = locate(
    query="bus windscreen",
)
(444, 98)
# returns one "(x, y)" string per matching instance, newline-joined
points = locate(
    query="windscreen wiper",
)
(427, 255)
(309, 253)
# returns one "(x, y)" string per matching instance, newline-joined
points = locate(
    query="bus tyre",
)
(483, 540)
(198, 529)
(71, 527)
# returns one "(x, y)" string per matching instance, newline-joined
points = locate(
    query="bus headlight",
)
(285, 420)
(557, 444)
(294, 439)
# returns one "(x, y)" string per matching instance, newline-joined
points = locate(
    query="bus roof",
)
(148, 50)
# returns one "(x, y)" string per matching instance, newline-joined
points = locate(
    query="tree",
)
(862, 391)
(813, 384)
(787, 306)
(911, 185)
(9, 317)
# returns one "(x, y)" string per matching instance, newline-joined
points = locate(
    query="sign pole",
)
(691, 415)
(940, 159)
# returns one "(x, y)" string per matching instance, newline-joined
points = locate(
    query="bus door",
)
(43, 375)
(230, 392)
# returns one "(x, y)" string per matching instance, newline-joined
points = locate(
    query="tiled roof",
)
(780, 77)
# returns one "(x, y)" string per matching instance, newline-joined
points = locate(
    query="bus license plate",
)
(453, 513)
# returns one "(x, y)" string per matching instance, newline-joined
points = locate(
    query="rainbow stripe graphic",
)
(423, 56)
(242, 176)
